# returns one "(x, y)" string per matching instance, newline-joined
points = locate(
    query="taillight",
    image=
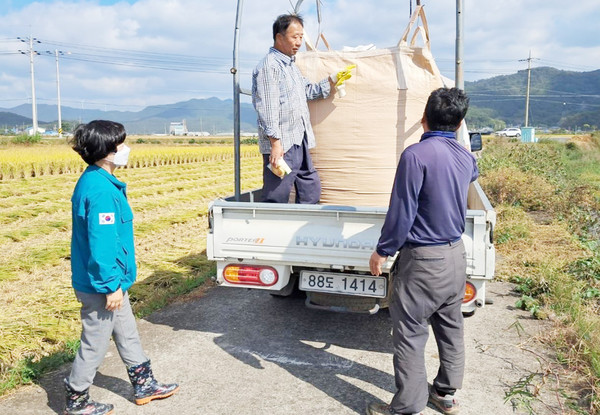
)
(250, 275)
(470, 293)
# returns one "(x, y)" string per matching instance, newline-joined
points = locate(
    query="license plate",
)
(349, 284)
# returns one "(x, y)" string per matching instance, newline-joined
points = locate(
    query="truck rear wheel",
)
(289, 289)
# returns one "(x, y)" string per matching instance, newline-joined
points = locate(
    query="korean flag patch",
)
(107, 218)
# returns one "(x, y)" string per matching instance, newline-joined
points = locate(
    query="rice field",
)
(35, 161)
(169, 188)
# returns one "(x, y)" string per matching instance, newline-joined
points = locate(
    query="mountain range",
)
(566, 99)
(212, 115)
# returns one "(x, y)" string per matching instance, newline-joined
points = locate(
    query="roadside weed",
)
(547, 215)
(522, 393)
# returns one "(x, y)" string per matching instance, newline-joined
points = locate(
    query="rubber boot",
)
(79, 403)
(145, 387)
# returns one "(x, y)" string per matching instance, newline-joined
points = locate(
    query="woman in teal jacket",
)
(103, 268)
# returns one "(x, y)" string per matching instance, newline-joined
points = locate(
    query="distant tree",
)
(483, 117)
(68, 126)
(584, 119)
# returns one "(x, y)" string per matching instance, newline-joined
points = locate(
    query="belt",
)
(417, 244)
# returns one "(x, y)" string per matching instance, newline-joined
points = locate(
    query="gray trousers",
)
(428, 286)
(99, 325)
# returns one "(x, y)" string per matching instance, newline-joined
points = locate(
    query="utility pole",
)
(459, 81)
(236, 101)
(458, 70)
(56, 53)
(33, 103)
(30, 40)
(528, 84)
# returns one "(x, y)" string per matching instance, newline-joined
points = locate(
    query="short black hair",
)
(97, 139)
(282, 23)
(446, 108)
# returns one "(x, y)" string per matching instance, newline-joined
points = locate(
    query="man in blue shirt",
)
(424, 224)
(279, 95)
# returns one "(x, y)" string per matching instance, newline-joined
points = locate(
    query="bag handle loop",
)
(309, 45)
(422, 30)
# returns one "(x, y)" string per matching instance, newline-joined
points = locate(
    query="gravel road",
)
(238, 351)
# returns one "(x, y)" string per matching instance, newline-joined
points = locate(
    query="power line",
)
(567, 65)
(141, 56)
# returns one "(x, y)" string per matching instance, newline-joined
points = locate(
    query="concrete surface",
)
(237, 351)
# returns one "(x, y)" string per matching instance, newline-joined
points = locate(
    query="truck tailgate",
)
(316, 235)
(296, 234)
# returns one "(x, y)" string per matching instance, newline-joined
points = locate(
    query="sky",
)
(127, 55)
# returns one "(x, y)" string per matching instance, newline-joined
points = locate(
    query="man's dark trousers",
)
(304, 177)
(428, 286)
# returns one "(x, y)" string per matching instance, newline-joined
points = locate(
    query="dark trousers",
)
(429, 286)
(304, 178)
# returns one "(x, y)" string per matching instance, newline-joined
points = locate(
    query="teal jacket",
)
(102, 250)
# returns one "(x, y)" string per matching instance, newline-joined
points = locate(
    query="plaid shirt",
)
(279, 95)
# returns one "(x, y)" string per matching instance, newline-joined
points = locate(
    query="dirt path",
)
(244, 352)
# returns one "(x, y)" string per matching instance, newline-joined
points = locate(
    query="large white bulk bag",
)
(360, 137)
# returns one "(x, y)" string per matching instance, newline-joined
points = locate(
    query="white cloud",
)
(197, 36)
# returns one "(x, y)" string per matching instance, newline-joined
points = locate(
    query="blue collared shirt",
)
(279, 96)
(428, 204)
(102, 248)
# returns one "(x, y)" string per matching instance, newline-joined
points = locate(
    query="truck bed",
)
(324, 236)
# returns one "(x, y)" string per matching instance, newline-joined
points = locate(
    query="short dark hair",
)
(446, 108)
(282, 23)
(97, 139)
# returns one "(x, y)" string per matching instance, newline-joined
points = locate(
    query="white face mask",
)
(121, 156)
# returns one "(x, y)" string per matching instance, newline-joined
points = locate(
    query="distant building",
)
(198, 133)
(39, 130)
(178, 128)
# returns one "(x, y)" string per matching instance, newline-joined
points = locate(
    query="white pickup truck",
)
(324, 250)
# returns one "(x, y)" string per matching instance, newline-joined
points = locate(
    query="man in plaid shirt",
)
(279, 95)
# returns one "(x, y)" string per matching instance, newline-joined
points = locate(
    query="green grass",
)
(29, 370)
(547, 196)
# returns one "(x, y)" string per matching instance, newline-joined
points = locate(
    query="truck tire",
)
(468, 313)
(288, 290)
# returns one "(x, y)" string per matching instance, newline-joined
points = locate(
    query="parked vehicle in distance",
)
(509, 132)
(486, 131)
(476, 141)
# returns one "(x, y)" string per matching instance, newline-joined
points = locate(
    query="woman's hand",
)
(114, 300)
